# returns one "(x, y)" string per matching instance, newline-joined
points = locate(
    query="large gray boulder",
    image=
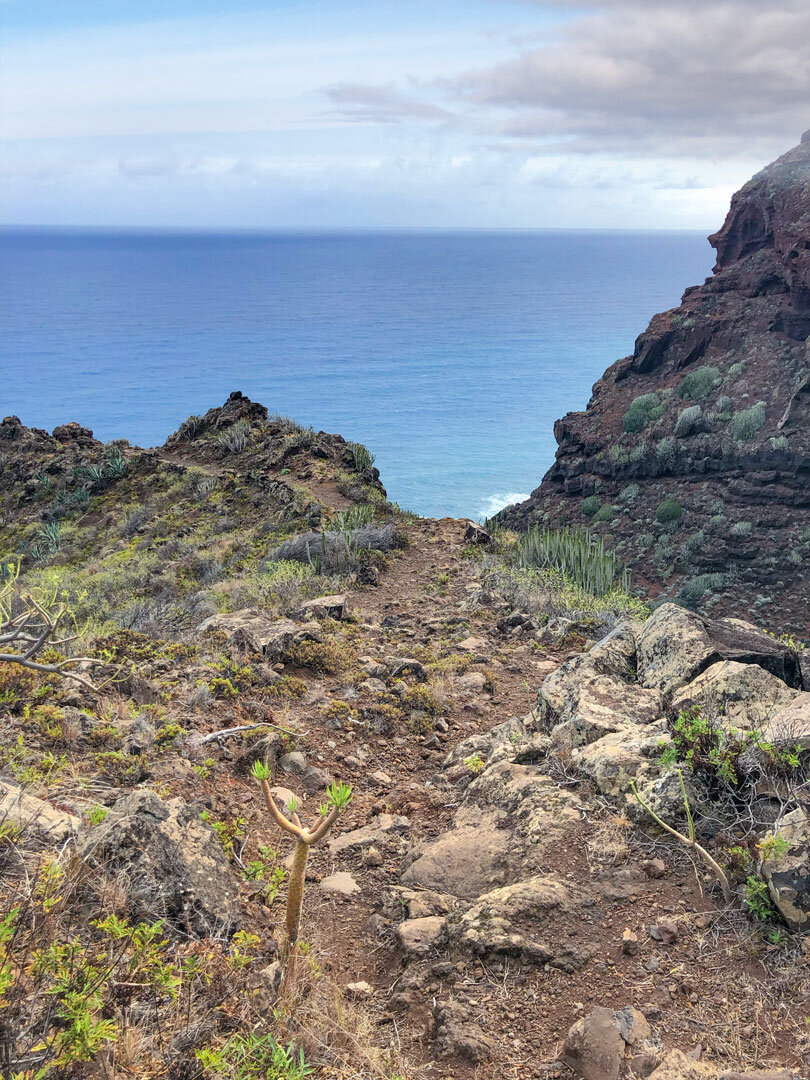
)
(746, 696)
(525, 919)
(676, 645)
(788, 874)
(35, 816)
(173, 863)
(254, 631)
(790, 725)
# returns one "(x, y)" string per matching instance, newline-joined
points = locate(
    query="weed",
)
(758, 899)
(475, 764)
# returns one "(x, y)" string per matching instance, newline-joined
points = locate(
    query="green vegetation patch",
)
(642, 412)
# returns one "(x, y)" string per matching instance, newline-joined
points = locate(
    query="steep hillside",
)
(693, 455)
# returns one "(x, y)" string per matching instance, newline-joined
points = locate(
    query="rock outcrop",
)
(693, 454)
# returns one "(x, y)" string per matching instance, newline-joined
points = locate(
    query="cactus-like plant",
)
(338, 797)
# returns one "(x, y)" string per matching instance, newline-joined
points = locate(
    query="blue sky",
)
(622, 113)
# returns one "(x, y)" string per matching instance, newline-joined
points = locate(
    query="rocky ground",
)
(491, 886)
(691, 457)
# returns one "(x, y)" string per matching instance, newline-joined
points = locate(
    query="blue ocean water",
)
(450, 354)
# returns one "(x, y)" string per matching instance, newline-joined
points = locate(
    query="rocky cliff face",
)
(693, 455)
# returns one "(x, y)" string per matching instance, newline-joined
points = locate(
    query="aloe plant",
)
(578, 554)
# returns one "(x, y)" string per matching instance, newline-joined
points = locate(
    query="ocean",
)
(449, 354)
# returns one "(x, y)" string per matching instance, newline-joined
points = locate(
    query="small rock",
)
(381, 779)
(458, 1033)
(665, 931)
(27, 812)
(326, 607)
(419, 937)
(630, 945)
(294, 762)
(339, 884)
(315, 779)
(359, 989)
(473, 680)
(374, 856)
(473, 644)
(373, 686)
(654, 868)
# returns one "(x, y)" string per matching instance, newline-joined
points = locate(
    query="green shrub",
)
(591, 505)
(235, 438)
(604, 513)
(689, 421)
(642, 412)
(693, 591)
(698, 383)
(666, 452)
(629, 493)
(779, 442)
(192, 427)
(668, 512)
(618, 455)
(736, 369)
(639, 451)
(745, 424)
(723, 407)
(741, 528)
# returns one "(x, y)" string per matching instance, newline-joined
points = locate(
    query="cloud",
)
(706, 78)
(382, 105)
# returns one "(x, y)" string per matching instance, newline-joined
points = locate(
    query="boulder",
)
(458, 1033)
(474, 534)
(253, 631)
(616, 759)
(790, 725)
(788, 875)
(326, 607)
(745, 695)
(174, 863)
(339, 884)
(676, 645)
(465, 861)
(421, 937)
(596, 1045)
(377, 832)
(29, 814)
(522, 920)
(604, 704)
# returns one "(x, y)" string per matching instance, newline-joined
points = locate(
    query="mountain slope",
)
(693, 454)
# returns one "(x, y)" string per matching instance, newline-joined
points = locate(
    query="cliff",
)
(693, 455)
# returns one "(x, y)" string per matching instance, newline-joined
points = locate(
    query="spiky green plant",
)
(579, 554)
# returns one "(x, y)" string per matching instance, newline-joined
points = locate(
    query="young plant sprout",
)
(338, 797)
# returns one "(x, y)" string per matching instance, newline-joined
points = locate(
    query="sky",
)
(394, 113)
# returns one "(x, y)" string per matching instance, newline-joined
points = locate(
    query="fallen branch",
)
(689, 840)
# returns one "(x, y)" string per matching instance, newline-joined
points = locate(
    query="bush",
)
(668, 512)
(693, 591)
(362, 457)
(576, 553)
(629, 493)
(192, 427)
(235, 438)
(689, 421)
(779, 442)
(723, 406)
(330, 657)
(642, 412)
(666, 452)
(591, 505)
(698, 383)
(745, 424)
(336, 550)
(604, 513)
(741, 528)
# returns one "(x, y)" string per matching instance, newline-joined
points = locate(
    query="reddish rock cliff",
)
(693, 455)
